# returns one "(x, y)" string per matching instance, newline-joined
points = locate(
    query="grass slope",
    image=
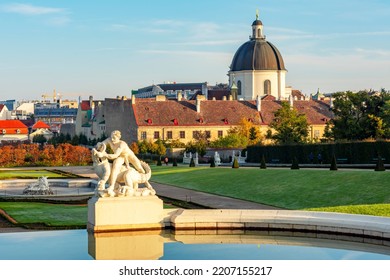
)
(28, 174)
(285, 188)
(50, 214)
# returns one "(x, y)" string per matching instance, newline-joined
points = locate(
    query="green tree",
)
(289, 126)
(360, 115)
(40, 139)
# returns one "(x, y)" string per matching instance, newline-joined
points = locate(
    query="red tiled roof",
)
(12, 127)
(40, 124)
(149, 112)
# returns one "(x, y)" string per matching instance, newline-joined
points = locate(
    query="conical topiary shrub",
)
(235, 163)
(192, 162)
(333, 163)
(212, 163)
(295, 164)
(174, 162)
(262, 163)
(380, 165)
(159, 163)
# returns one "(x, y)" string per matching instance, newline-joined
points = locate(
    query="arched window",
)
(239, 92)
(267, 87)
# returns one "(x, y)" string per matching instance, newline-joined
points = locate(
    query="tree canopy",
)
(359, 116)
(289, 126)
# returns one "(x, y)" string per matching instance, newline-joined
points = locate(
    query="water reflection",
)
(189, 245)
(234, 245)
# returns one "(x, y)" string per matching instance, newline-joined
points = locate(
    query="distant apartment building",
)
(54, 115)
(90, 119)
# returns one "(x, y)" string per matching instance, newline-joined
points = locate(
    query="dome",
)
(257, 22)
(257, 54)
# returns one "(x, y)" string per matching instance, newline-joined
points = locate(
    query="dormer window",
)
(201, 120)
(225, 121)
(18, 131)
(149, 121)
(175, 122)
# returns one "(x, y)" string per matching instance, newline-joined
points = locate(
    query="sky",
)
(108, 48)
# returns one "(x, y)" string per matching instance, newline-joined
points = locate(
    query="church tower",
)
(258, 67)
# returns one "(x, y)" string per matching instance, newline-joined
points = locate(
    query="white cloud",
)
(27, 9)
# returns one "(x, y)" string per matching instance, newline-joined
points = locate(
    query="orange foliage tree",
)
(48, 155)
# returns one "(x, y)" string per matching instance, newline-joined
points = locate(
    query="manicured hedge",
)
(350, 153)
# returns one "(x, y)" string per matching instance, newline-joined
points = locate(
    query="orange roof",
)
(40, 124)
(12, 127)
(4, 124)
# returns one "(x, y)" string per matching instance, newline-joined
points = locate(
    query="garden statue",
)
(39, 188)
(122, 179)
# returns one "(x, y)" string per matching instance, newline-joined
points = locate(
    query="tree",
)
(360, 115)
(40, 139)
(289, 126)
(295, 164)
(333, 164)
(262, 163)
(379, 165)
(235, 163)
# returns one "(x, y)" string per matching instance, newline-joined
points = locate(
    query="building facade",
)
(161, 118)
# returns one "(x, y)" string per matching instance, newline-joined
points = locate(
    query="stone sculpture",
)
(39, 188)
(123, 180)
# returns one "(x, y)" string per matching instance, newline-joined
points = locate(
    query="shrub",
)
(379, 165)
(192, 162)
(212, 162)
(235, 163)
(174, 162)
(333, 164)
(295, 164)
(262, 163)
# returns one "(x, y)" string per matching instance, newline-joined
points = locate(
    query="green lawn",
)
(349, 191)
(49, 214)
(27, 174)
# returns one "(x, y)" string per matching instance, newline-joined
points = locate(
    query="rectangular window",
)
(195, 134)
(316, 134)
(156, 135)
(143, 135)
(208, 134)
(182, 134)
(220, 133)
(169, 134)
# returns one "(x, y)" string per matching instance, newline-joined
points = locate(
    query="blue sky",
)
(107, 48)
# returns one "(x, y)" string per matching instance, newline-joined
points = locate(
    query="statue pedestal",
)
(124, 213)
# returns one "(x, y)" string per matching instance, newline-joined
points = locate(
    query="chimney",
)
(133, 99)
(258, 103)
(331, 103)
(224, 97)
(90, 101)
(230, 97)
(179, 96)
(161, 97)
(198, 100)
